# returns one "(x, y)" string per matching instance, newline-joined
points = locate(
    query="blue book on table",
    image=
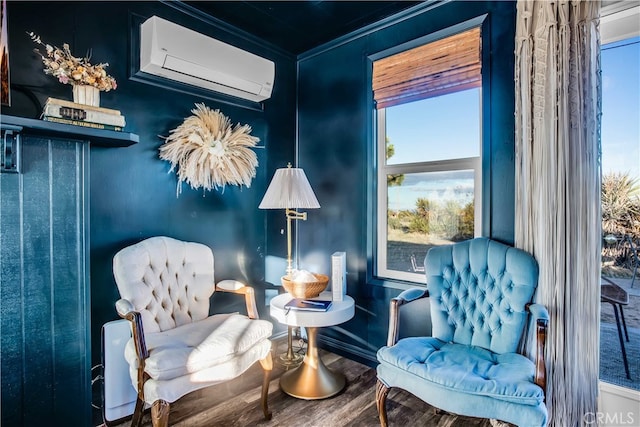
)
(308, 304)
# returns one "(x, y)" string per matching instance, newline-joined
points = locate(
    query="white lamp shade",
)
(289, 188)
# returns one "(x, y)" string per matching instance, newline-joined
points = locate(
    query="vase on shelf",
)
(86, 94)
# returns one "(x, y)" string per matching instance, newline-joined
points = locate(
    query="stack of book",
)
(71, 113)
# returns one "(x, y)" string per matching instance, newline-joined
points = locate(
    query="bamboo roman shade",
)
(447, 65)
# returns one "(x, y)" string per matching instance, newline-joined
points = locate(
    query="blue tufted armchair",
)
(454, 345)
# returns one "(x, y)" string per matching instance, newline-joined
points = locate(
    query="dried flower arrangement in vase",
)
(87, 80)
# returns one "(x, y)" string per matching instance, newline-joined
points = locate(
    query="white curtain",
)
(557, 214)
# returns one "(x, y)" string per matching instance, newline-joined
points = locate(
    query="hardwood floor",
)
(237, 403)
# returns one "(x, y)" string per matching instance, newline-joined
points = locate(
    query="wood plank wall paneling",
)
(44, 287)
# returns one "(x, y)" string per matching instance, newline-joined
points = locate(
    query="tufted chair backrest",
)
(478, 291)
(167, 280)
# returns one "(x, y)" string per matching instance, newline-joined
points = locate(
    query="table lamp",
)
(290, 190)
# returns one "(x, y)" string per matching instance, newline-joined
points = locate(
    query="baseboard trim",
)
(348, 350)
(279, 335)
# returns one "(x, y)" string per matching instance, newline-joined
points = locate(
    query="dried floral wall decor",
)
(209, 152)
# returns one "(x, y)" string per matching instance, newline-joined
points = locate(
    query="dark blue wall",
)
(336, 146)
(132, 195)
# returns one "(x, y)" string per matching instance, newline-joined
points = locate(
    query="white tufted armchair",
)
(165, 287)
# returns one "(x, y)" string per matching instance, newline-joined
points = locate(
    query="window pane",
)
(620, 290)
(424, 210)
(621, 107)
(445, 127)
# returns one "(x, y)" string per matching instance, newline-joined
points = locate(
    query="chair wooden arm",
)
(404, 298)
(126, 310)
(236, 287)
(541, 317)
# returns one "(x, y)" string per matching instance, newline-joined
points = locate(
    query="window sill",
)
(394, 284)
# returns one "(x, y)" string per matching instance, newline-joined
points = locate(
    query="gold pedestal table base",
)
(312, 379)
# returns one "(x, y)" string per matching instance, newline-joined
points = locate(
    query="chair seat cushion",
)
(199, 345)
(467, 369)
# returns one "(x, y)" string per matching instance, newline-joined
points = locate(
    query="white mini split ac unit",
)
(178, 53)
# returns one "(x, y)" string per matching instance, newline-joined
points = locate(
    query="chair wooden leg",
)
(381, 402)
(267, 366)
(160, 413)
(136, 421)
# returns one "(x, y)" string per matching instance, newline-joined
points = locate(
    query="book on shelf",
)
(83, 114)
(82, 123)
(70, 104)
(304, 304)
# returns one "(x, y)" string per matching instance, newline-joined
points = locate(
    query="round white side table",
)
(312, 379)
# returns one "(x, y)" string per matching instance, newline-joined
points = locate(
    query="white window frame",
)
(469, 163)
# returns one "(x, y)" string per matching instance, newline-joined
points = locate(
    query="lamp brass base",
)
(312, 380)
(289, 359)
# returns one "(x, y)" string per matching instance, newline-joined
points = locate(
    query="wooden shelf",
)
(99, 137)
